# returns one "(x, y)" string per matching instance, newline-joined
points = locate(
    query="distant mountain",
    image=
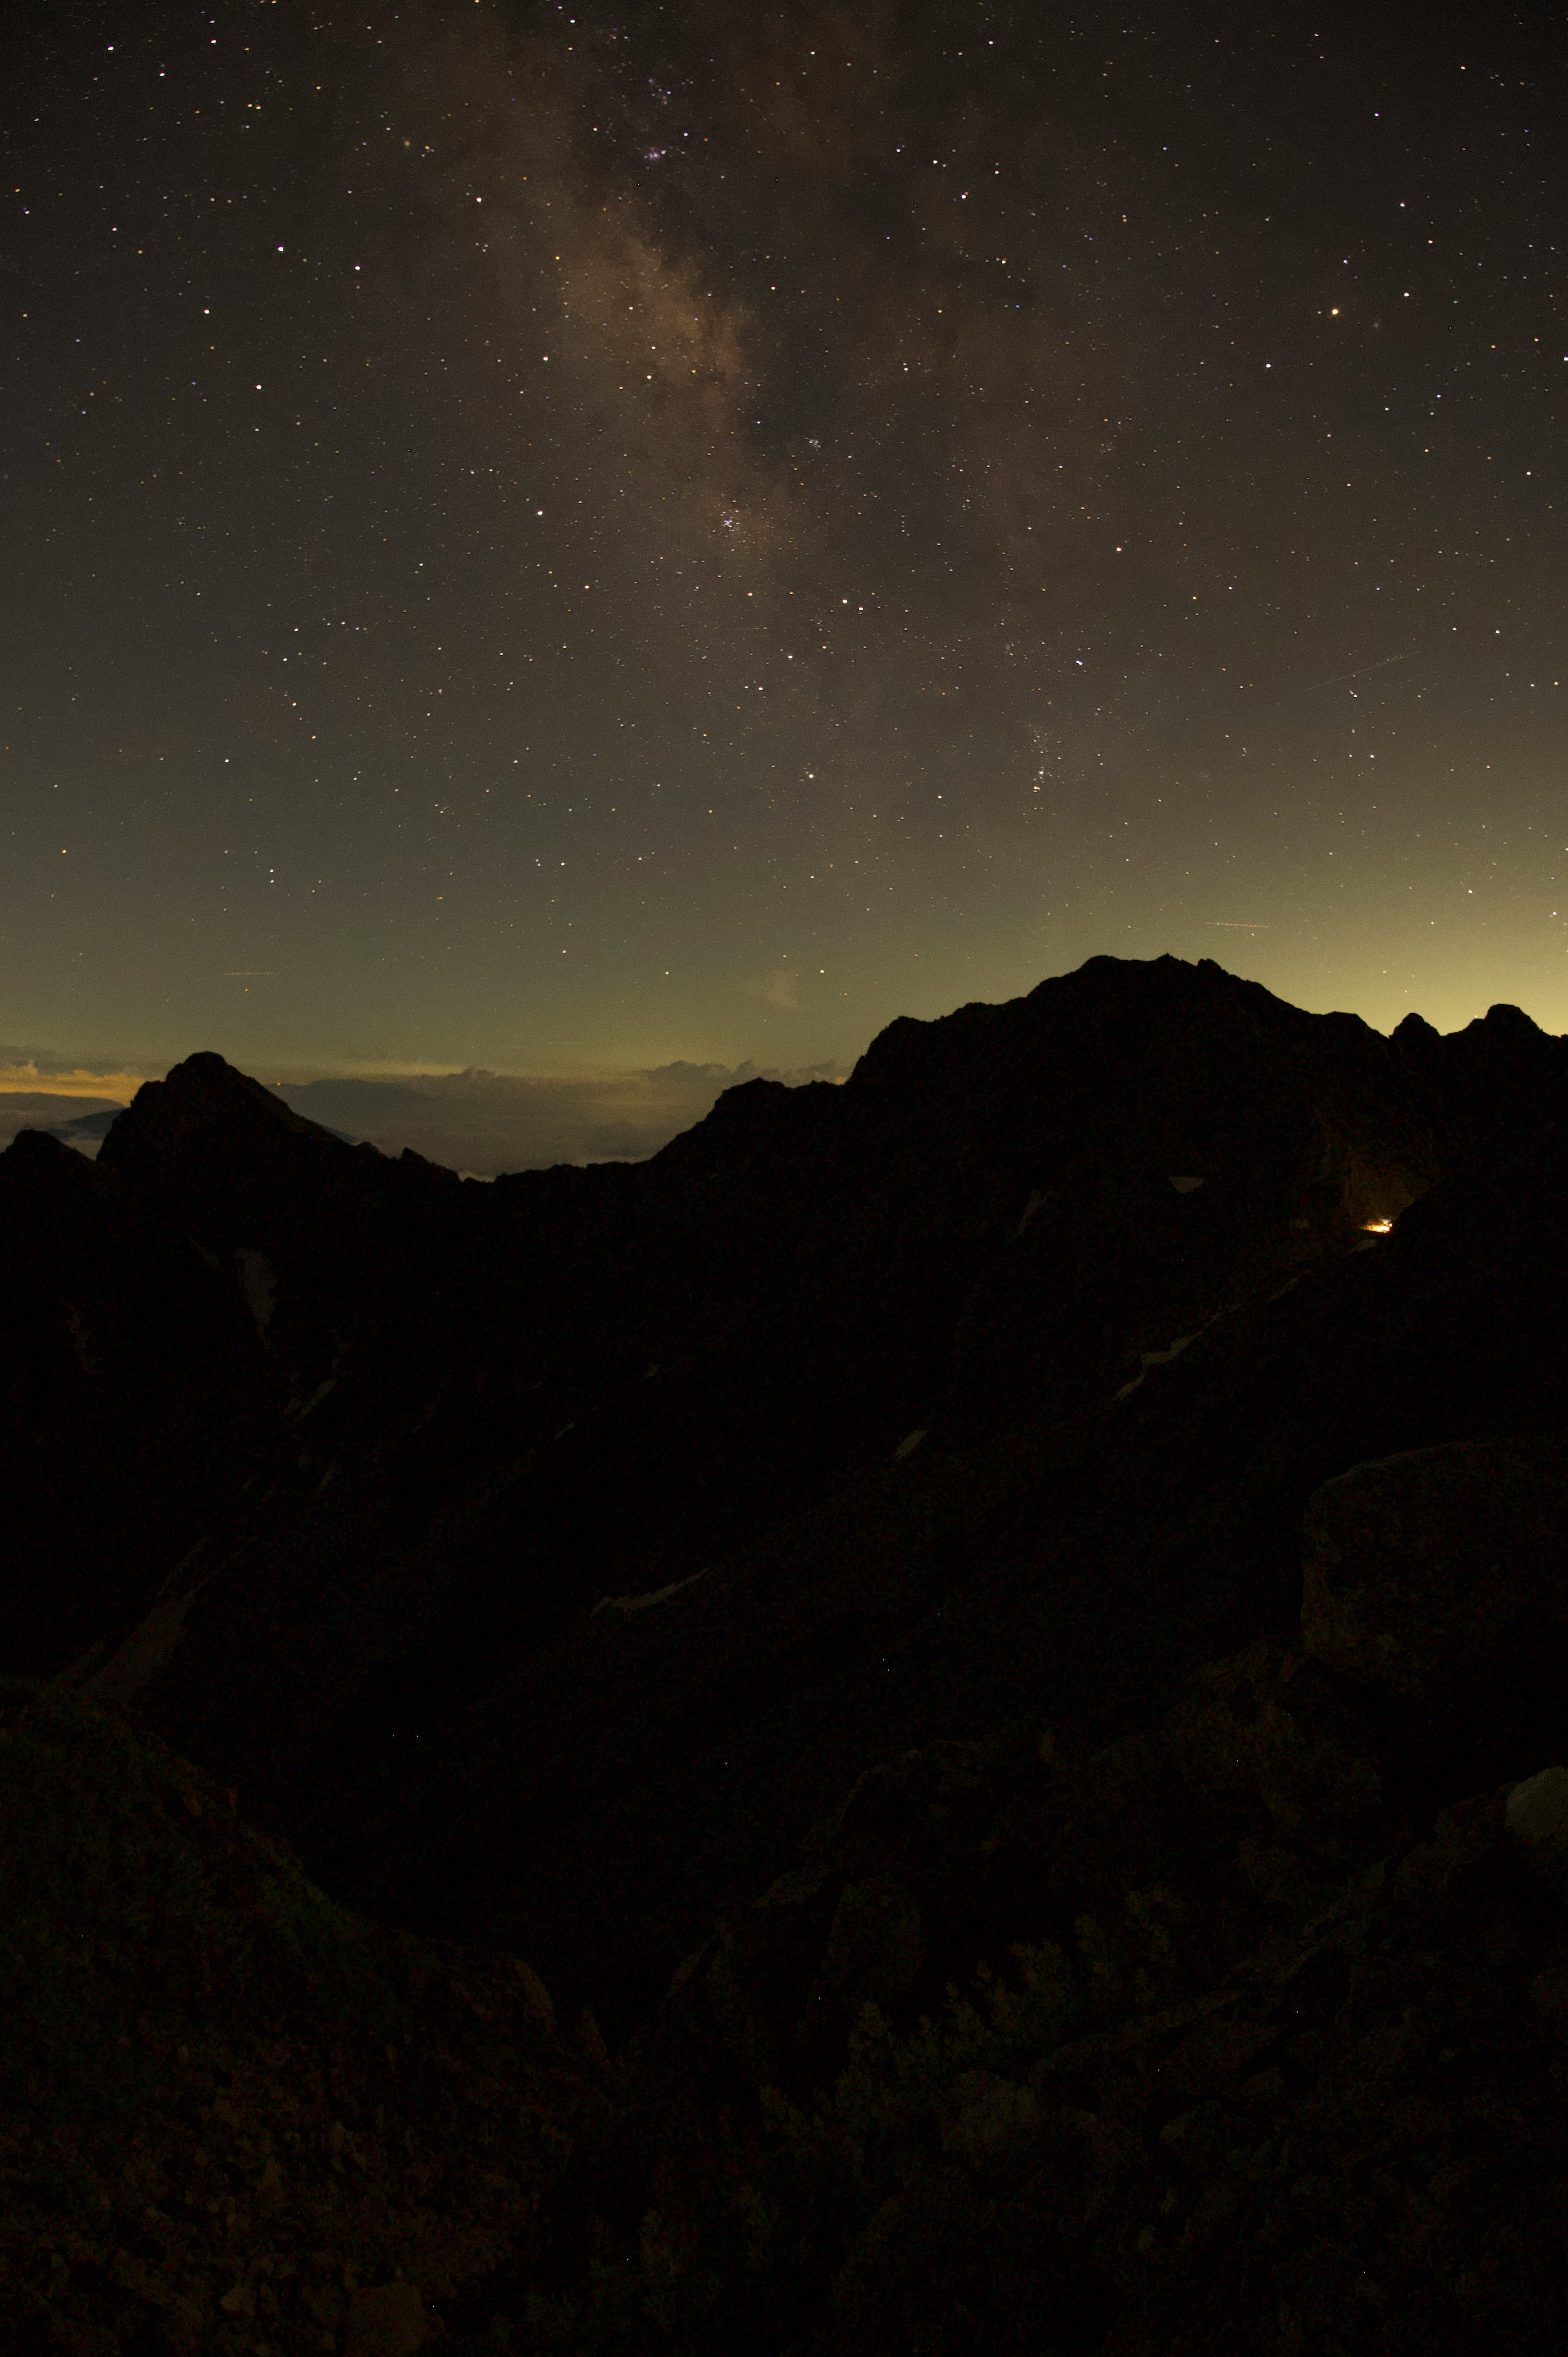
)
(88, 1128)
(546, 1559)
(86, 1118)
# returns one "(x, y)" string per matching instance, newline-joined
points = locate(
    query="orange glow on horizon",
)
(26, 1080)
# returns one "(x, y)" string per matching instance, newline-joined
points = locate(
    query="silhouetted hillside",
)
(548, 1562)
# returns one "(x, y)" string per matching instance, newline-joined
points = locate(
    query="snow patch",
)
(296, 1410)
(1155, 1358)
(1036, 1199)
(150, 1645)
(261, 1286)
(79, 1342)
(642, 1603)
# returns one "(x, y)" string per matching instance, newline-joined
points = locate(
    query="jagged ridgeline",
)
(830, 1598)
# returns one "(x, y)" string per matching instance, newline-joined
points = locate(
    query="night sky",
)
(563, 542)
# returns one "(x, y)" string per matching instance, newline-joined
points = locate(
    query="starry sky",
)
(561, 542)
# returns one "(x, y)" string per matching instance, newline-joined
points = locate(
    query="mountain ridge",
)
(921, 1416)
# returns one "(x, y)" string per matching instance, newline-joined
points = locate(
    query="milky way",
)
(563, 542)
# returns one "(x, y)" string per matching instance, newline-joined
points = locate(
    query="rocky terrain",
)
(927, 1718)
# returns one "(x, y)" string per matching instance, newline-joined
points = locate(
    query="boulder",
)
(1537, 1817)
(389, 2321)
(1430, 1571)
(875, 1947)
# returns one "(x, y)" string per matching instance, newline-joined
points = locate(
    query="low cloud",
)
(81, 1119)
(39, 1090)
(36, 1072)
(485, 1123)
(475, 1121)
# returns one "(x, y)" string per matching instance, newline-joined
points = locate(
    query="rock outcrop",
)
(1443, 1571)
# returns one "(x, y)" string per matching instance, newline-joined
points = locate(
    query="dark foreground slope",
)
(1274, 2059)
(231, 2115)
(1245, 2032)
(891, 1499)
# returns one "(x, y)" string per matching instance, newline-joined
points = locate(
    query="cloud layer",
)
(484, 1122)
(479, 1122)
(48, 1109)
(37, 1072)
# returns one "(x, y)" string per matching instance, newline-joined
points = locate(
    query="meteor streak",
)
(1341, 676)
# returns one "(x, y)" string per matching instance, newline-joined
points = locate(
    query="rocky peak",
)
(174, 1126)
(37, 1166)
(1496, 1089)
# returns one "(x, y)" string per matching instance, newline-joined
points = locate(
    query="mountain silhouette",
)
(552, 1563)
